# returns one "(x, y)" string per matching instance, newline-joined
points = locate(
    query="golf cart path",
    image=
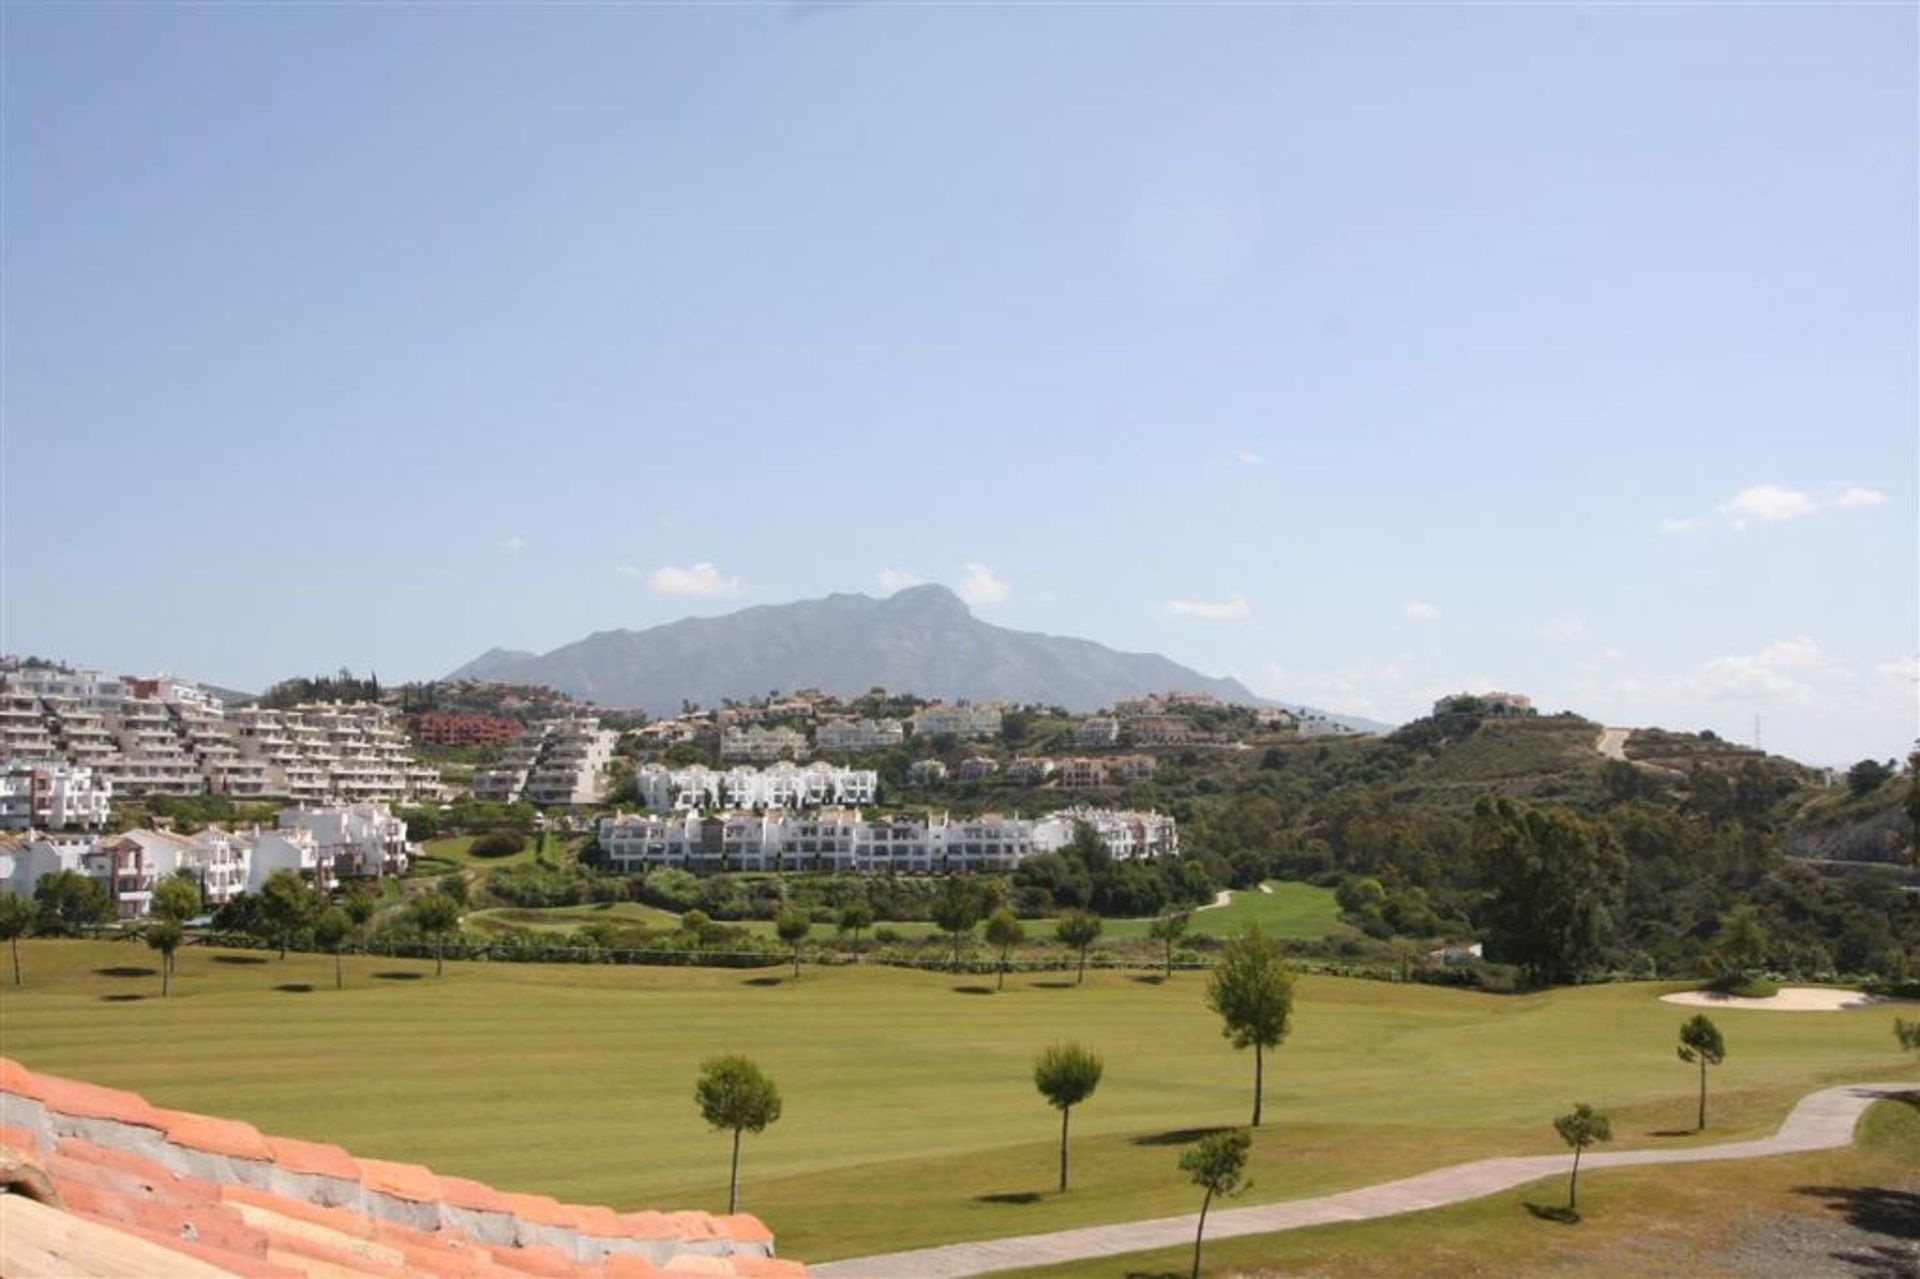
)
(1822, 1120)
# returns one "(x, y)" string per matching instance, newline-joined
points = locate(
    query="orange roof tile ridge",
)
(229, 1159)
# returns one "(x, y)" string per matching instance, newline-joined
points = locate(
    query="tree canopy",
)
(1251, 989)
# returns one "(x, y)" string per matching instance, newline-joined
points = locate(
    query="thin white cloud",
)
(1766, 504)
(1793, 671)
(702, 579)
(1760, 504)
(897, 579)
(1232, 609)
(626, 570)
(980, 586)
(514, 545)
(1419, 611)
(1248, 458)
(1565, 627)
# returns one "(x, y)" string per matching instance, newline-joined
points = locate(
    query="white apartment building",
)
(1030, 770)
(962, 720)
(1099, 730)
(843, 840)
(859, 734)
(53, 796)
(1494, 703)
(761, 744)
(977, 768)
(560, 762)
(926, 772)
(327, 846)
(784, 785)
(163, 736)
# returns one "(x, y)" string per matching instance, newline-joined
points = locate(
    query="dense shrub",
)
(500, 842)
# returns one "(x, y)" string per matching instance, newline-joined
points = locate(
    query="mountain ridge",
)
(922, 640)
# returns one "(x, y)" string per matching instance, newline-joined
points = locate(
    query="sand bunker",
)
(1790, 999)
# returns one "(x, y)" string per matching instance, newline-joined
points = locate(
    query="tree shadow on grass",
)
(1156, 1274)
(1673, 1132)
(1053, 985)
(1877, 1210)
(764, 981)
(1555, 1212)
(295, 988)
(120, 999)
(1175, 1136)
(399, 975)
(1150, 979)
(1882, 1261)
(973, 990)
(238, 959)
(126, 971)
(1010, 1197)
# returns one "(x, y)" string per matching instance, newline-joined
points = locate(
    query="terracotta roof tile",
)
(71, 1097)
(546, 1262)
(402, 1181)
(18, 1138)
(689, 1263)
(622, 1266)
(648, 1224)
(473, 1195)
(313, 1157)
(541, 1210)
(215, 1136)
(744, 1227)
(17, 1079)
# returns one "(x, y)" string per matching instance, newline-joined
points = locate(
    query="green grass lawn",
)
(911, 1117)
(1671, 1223)
(565, 919)
(457, 850)
(1290, 911)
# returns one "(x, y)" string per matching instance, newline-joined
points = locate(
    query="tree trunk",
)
(1170, 978)
(796, 963)
(1259, 1083)
(1703, 1093)
(1081, 979)
(439, 955)
(733, 1179)
(284, 939)
(1201, 1233)
(16, 960)
(337, 983)
(1001, 982)
(1573, 1181)
(1065, 1111)
(166, 973)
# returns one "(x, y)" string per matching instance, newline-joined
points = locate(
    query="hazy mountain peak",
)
(922, 640)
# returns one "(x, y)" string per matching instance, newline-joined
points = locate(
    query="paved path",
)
(1822, 1121)
(1613, 743)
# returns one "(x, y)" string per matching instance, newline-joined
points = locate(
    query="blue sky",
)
(1363, 353)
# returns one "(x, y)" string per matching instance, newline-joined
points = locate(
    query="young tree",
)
(955, 912)
(16, 917)
(855, 918)
(165, 936)
(1168, 930)
(735, 1096)
(1216, 1165)
(793, 925)
(1004, 932)
(330, 933)
(1908, 1033)
(1580, 1128)
(1066, 1075)
(1252, 991)
(67, 901)
(359, 906)
(1700, 1041)
(287, 905)
(1740, 945)
(1078, 929)
(436, 915)
(177, 897)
